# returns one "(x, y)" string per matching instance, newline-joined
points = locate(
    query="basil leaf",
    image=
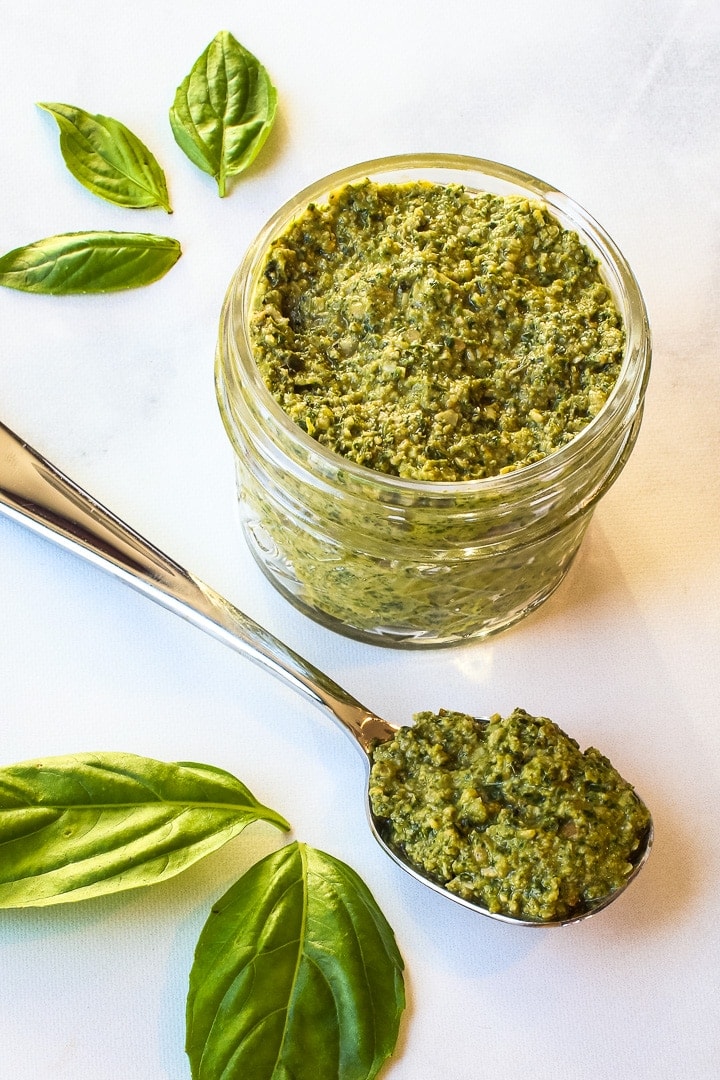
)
(108, 159)
(88, 262)
(224, 109)
(87, 824)
(296, 974)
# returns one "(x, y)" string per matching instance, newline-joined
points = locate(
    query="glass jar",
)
(419, 563)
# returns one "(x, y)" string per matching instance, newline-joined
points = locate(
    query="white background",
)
(617, 104)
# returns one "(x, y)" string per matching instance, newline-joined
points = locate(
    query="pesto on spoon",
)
(36, 494)
(508, 813)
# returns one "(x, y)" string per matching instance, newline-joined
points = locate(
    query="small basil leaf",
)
(224, 109)
(88, 262)
(108, 159)
(87, 824)
(296, 974)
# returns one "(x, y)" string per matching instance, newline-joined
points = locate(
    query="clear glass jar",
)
(417, 563)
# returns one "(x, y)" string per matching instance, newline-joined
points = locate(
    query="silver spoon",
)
(36, 494)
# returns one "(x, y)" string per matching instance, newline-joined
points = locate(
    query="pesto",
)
(435, 333)
(507, 813)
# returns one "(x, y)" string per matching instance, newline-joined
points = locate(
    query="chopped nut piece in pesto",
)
(508, 813)
(435, 333)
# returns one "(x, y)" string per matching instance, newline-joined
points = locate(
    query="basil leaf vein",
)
(296, 973)
(108, 159)
(224, 109)
(88, 262)
(84, 825)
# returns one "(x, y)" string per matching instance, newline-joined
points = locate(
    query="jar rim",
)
(628, 389)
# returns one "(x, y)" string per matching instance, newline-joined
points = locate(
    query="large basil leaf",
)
(86, 824)
(108, 159)
(88, 262)
(224, 109)
(296, 974)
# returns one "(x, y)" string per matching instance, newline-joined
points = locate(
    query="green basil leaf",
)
(224, 109)
(88, 262)
(296, 974)
(87, 824)
(108, 159)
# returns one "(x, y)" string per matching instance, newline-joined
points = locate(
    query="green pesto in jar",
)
(509, 813)
(435, 333)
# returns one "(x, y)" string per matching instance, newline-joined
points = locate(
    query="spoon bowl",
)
(36, 494)
(638, 859)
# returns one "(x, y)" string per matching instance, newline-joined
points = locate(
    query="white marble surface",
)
(617, 103)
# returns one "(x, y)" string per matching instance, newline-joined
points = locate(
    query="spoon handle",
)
(36, 494)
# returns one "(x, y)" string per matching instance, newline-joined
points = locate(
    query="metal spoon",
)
(36, 494)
